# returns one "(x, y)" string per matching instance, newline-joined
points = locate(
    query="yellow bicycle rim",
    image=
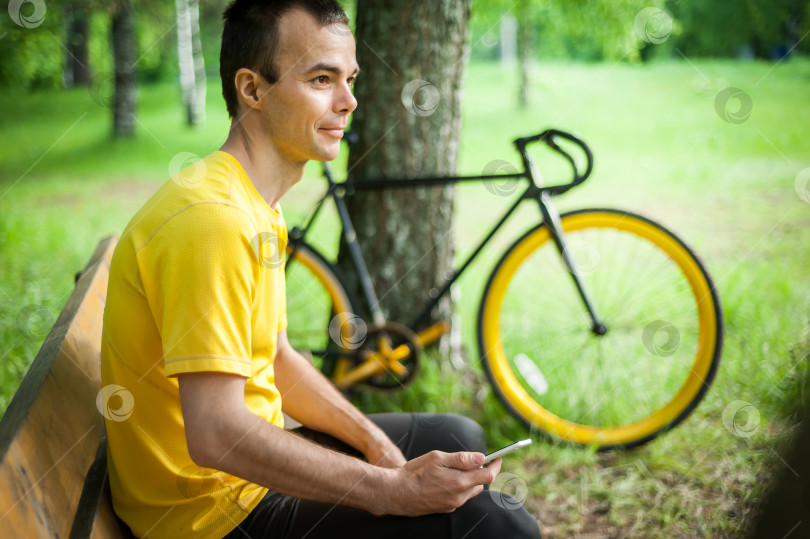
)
(333, 287)
(519, 399)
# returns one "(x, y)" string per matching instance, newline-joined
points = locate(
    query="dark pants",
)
(490, 514)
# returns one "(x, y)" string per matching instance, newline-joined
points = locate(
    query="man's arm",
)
(308, 397)
(222, 433)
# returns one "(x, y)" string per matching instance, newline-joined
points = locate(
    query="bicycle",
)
(608, 350)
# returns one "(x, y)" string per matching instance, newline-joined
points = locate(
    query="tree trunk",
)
(793, 24)
(408, 120)
(190, 60)
(199, 64)
(126, 89)
(524, 51)
(77, 65)
(509, 27)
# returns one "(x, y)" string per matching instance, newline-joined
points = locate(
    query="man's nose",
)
(345, 100)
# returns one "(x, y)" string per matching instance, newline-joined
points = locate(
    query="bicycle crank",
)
(388, 359)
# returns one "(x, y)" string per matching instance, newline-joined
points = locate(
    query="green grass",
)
(660, 150)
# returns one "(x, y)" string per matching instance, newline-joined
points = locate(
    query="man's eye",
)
(323, 79)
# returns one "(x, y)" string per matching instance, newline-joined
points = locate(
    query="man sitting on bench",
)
(195, 336)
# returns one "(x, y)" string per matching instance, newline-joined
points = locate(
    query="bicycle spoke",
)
(641, 294)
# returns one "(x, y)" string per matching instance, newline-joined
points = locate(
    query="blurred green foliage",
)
(32, 57)
(579, 29)
(588, 30)
(765, 29)
(35, 57)
(593, 30)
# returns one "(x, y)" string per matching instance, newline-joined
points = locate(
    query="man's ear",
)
(248, 87)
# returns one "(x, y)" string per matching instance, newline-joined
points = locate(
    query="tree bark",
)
(793, 24)
(199, 64)
(124, 50)
(77, 64)
(524, 52)
(408, 120)
(190, 60)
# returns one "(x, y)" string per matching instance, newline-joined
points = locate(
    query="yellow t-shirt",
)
(196, 284)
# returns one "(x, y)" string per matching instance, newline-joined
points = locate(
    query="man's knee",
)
(495, 514)
(462, 433)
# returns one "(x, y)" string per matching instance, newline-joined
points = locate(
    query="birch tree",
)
(190, 58)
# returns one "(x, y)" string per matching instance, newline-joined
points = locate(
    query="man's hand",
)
(438, 482)
(382, 452)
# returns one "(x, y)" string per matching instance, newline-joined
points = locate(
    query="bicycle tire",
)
(316, 295)
(527, 309)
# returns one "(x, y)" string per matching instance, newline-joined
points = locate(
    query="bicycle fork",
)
(552, 219)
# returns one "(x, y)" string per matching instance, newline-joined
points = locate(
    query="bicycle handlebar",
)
(548, 136)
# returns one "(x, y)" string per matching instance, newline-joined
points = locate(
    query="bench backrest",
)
(52, 447)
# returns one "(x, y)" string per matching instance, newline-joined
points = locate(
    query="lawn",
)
(735, 191)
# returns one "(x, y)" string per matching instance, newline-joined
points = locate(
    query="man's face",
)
(306, 111)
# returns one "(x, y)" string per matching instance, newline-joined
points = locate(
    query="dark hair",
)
(251, 35)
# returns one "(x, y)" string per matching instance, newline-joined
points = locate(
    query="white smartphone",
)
(506, 450)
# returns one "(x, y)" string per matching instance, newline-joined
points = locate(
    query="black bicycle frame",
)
(339, 190)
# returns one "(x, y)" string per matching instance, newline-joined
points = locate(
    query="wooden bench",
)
(53, 455)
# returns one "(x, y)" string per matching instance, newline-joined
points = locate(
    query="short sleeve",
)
(203, 271)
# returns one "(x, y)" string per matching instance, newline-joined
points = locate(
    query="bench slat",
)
(94, 513)
(51, 432)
